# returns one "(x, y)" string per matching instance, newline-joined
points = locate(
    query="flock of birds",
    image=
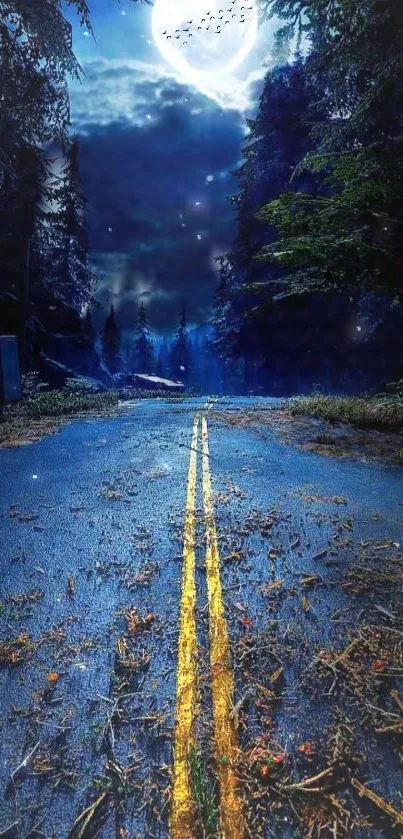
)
(225, 15)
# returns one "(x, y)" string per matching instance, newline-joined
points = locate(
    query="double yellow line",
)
(222, 679)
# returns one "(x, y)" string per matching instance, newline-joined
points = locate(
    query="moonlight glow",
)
(205, 42)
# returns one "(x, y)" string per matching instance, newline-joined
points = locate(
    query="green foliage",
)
(320, 206)
(204, 793)
(349, 233)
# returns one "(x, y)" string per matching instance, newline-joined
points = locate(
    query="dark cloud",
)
(160, 177)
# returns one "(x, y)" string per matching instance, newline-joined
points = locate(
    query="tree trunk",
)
(25, 307)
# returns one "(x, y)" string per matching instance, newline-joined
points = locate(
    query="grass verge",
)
(42, 413)
(383, 414)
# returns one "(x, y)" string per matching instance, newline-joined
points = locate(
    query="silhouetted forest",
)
(311, 291)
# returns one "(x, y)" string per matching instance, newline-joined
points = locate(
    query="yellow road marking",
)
(182, 817)
(231, 810)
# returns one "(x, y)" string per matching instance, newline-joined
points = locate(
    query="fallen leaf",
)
(380, 665)
(307, 748)
(246, 621)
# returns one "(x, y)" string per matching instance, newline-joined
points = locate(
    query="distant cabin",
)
(149, 382)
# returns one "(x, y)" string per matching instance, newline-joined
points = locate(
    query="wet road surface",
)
(159, 568)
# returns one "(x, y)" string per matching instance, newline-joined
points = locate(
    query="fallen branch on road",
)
(364, 792)
(306, 784)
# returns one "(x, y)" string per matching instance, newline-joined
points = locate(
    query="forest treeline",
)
(187, 356)
(311, 289)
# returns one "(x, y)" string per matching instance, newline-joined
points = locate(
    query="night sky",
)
(158, 147)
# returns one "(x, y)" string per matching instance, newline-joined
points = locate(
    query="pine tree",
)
(349, 235)
(181, 353)
(111, 341)
(70, 240)
(143, 347)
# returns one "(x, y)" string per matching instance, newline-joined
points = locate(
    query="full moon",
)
(205, 41)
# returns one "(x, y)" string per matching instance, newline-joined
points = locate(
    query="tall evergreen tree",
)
(70, 277)
(36, 61)
(349, 236)
(111, 341)
(143, 346)
(181, 353)
(278, 137)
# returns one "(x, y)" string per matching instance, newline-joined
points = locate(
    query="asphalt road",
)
(92, 527)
